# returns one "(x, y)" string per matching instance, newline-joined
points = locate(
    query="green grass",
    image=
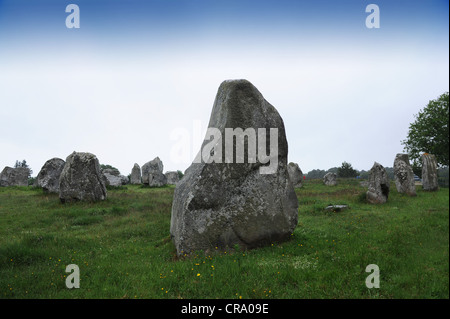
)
(123, 249)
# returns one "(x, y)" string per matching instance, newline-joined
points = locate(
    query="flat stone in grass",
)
(336, 208)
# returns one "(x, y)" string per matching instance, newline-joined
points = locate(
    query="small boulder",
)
(330, 179)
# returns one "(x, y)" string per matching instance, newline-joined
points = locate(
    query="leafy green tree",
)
(429, 132)
(346, 170)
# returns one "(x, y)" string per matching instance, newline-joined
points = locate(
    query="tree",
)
(25, 165)
(429, 132)
(346, 170)
(112, 168)
(316, 173)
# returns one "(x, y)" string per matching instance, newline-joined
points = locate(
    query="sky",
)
(137, 78)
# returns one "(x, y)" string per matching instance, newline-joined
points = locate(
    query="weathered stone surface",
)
(14, 176)
(112, 180)
(48, 177)
(172, 177)
(154, 166)
(111, 171)
(429, 173)
(156, 179)
(404, 175)
(81, 179)
(152, 173)
(378, 191)
(124, 179)
(136, 178)
(295, 174)
(219, 204)
(330, 179)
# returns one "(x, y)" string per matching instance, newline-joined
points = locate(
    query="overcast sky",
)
(137, 73)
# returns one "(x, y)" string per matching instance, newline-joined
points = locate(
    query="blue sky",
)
(164, 21)
(137, 72)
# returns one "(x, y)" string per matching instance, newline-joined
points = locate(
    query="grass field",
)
(123, 249)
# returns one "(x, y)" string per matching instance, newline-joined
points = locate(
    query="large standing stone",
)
(136, 175)
(14, 176)
(219, 204)
(378, 191)
(172, 177)
(330, 179)
(81, 179)
(429, 173)
(48, 177)
(152, 173)
(404, 175)
(295, 174)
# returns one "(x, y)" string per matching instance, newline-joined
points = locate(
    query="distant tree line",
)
(347, 171)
